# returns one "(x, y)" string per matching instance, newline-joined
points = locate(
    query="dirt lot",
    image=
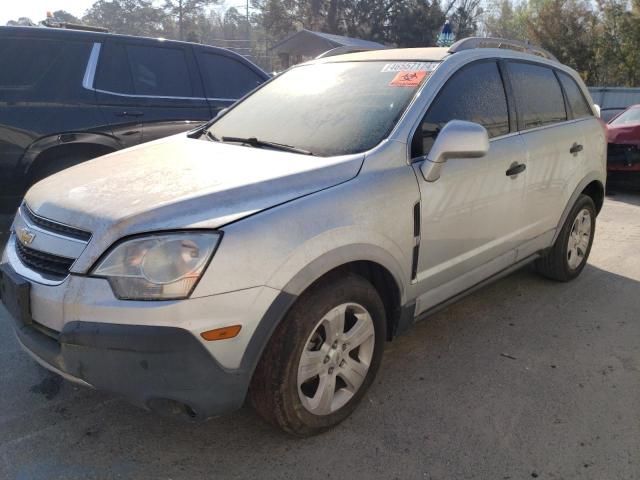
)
(525, 379)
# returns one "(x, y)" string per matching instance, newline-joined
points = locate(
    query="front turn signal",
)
(221, 333)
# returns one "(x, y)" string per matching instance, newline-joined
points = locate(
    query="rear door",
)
(554, 146)
(149, 90)
(226, 77)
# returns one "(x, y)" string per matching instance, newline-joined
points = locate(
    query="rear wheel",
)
(569, 254)
(322, 357)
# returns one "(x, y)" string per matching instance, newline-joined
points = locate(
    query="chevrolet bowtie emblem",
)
(26, 236)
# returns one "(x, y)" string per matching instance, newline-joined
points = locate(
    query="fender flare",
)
(43, 144)
(590, 177)
(305, 278)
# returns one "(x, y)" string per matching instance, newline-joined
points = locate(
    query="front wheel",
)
(569, 253)
(322, 357)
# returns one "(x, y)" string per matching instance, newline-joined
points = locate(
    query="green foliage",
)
(131, 17)
(599, 40)
(65, 17)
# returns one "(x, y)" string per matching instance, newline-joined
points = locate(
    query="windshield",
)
(326, 109)
(627, 117)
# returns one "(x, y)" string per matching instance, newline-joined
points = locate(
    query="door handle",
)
(130, 113)
(515, 169)
(575, 149)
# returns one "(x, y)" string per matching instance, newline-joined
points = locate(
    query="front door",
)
(471, 217)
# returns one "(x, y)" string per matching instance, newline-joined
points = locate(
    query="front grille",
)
(55, 227)
(44, 263)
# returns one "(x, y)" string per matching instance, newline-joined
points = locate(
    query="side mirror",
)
(598, 110)
(457, 139)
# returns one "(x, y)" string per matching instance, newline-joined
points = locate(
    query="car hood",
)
(180, 182)
(624, 134)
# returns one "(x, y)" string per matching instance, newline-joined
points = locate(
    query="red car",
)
(623, 135)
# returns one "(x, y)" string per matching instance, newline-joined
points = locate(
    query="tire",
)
(570, 252)
(316, 404)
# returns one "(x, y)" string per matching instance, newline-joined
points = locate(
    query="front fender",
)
(332, 249)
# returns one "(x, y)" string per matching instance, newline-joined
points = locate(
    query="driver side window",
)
(475, 93)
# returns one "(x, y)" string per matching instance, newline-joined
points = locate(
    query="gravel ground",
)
(524, 379)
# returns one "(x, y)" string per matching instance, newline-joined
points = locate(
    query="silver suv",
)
(270, 254)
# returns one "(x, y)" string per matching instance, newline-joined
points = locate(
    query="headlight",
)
(158, 267)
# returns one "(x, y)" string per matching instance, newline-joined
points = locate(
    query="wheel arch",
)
(595, 190)
(57, 146)
(385, 276)
(591, 185)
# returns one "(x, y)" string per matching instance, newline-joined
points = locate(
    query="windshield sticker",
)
(408, 79)
(409, 67)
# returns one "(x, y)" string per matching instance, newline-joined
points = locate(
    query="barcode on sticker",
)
(410, 67)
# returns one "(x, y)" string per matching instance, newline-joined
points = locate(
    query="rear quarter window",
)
(538, 95)
(577, 102)
(226, 77)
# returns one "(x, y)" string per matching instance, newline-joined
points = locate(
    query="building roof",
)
(310, 43)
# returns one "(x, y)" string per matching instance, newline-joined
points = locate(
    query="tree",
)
(414, 23)
(21, 22)
(63, 16)
(464, 18)
(619, 43)
(131, 17)
(567, 28)
(185, 10)
(504, 20)
(276, 17)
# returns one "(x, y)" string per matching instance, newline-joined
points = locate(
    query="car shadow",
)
(508, 373)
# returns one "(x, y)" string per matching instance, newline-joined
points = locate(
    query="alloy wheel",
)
(336, 359)
(579, 239)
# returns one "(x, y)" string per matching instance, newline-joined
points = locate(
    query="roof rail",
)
(491, 42)
(73, 26)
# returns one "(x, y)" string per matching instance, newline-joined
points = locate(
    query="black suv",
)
(67, 96)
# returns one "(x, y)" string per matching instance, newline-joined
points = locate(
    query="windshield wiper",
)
(210, 135)
(254, 142)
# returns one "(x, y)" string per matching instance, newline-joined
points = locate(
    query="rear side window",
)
(538, 95)
(159, 71)
(476, 94)
(144, 70)
(577, 102)
(15, 71)
(226, 77)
